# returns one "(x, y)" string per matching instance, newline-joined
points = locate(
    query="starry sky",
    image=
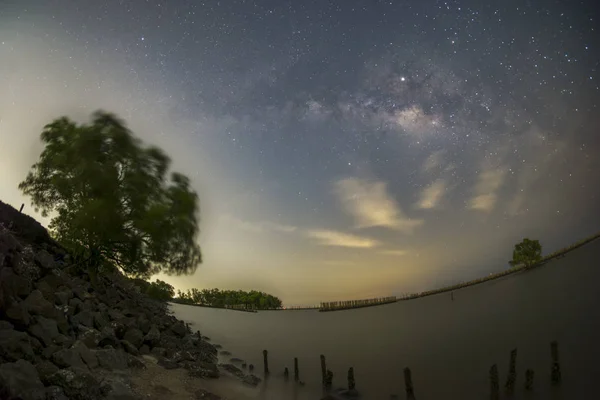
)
(340, 149)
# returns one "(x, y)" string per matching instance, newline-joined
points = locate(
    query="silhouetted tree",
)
(160, 290)
(112, 200)
(528, 252)
(222, 298)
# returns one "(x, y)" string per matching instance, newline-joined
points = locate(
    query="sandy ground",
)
(158, 383)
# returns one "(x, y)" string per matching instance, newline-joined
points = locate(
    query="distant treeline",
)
(253, 300)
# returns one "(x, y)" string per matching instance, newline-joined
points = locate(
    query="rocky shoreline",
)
(64, 337)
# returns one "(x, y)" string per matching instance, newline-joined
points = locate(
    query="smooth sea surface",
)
(448, 345)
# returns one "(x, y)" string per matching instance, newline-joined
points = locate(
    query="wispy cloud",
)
(341, 239)
(485, 191)
(256, 226)
(431, 195)
(372, 206)
(434, 161)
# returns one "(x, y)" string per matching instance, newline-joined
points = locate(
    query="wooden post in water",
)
(286, 373)
(251, 367)
(512, 373)
(351, 381)
(266, 361)
(410, 391)
(21, 209)
(323, 370)
(494, 383)
(296, 371)
(329, 380)
(529, 379)
(555, 375)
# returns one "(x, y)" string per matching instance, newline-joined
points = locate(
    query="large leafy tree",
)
(111, 198)
(527, 253)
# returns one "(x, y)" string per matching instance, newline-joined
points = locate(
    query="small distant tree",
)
(528, 253)
(160, 290)
(112, 198)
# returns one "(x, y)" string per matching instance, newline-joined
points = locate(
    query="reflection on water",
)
(448, 344)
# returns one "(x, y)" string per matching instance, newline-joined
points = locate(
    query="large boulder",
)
(134, 336)
(18, 315)
(45, 369)
(12, 286)
(88, 357)
(44, 260)
(84, 318)
(152, 338)
(44, 329)
(179, 329)
(20, 379)
(55, 393)
(77, 384)
(36, 304)
(15, 345)
(69, 358)
(111, 359)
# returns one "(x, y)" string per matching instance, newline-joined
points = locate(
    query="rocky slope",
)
(62, 337)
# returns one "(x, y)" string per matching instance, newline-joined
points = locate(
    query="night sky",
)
(341, 149)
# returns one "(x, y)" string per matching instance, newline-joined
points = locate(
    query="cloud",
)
(431, 196)
(488, 183)
(434, 161)
(372, 206)
(393, 252)
(256, 226)
(341, 239)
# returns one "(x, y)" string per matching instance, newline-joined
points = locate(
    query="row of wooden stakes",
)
(327, 375)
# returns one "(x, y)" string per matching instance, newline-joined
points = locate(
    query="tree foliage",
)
(112, 199)
(223, 298)
(527, 253)
(160, 290)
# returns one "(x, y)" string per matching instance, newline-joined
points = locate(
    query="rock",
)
(129, 348)
(49, 351)
(251, 380)
(62, 298)
(63, 340)
(84, 318)
(15, 345)
(76, 304)
(44, 329)
(77, 384)
(90, 337)
(55, 393)
(203, 394)
(232, 369)
(134, 336)
(44, 260)
(144, 324)
(158, 351)
(144, 349)
(20, 379)
(18, 315)
(62, 323)
(45, 369)
(5, 325)
(13, 285)
(152, 338)
(46, 290)
(115, 315)
(100, 320)
(134, 362)
(36, 304)
(108, 338)
(111, 359)
(179, 329)
(69, 358)
(88, 357)
(167, 363)
(203, 370)
(116, 390)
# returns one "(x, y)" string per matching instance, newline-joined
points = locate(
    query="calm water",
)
(449, 345)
